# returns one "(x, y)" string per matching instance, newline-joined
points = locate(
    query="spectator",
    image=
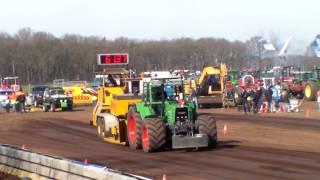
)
(13, 102)
(284, 101)
(275, 97)
(5, 104)
(269, 93)
(258, 99)
(249, 99)
(194, 97)
(244, 97)
(20, 99)
(238, 97)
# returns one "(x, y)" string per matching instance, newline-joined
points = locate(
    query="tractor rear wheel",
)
(134, 128)
(207, 125)
(70, 107)
(310, 90)
(153, 134)
(45, 108)
(52, 107)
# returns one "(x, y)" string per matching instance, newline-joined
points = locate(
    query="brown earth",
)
(8, 176)
(264, 146)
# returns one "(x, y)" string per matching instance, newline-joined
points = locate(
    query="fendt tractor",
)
(211, 84)
(166, 116)
(161, 117)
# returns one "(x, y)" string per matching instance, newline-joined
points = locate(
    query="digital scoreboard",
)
(113, 59)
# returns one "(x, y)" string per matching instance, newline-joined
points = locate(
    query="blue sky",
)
(167, 19)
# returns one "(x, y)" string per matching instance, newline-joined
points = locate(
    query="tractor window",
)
(136, 87)
(110, 81)
(215, 78)
(60, 91)
(214, 81)
(57, 91)
(157, 92)
(318, 73)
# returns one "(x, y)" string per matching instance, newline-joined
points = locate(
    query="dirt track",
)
(256, 147)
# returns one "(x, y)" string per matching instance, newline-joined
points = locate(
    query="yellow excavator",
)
(211, 85)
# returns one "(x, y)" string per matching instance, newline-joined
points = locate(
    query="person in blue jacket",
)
(276, 93)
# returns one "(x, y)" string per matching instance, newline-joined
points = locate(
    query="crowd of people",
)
(15, 100)
(269, 98)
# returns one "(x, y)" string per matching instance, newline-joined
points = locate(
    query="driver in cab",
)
(110, 81)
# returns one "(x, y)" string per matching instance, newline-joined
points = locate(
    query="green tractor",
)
(166, 117)
(234, 76)
(312, 85)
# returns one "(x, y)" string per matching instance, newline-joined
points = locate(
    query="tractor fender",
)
(152, 116)
(110, 121)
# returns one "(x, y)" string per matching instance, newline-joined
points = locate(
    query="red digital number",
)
(110, 59)
(125, 59)
(107, 59)
(117, 59)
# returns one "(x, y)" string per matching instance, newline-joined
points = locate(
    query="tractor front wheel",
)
(153, 134)
(207, 125)
(134, 128)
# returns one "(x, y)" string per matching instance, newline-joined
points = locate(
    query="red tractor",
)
(291, 82)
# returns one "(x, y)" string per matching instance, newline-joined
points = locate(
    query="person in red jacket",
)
(20, 99)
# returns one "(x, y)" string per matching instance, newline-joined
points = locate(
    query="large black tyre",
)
(52, 107)
(134, 128)
(207, 125)
(100, 128)
(153, 134)
(45, 108)
(70, 107)
(310, 91)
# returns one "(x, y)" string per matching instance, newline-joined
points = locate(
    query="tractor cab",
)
(160, 93)
(233, 76)
(12, 83)
(316, 73)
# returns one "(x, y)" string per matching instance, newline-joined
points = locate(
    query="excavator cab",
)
(213, 82)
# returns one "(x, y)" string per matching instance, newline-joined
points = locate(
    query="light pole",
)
(259, 55)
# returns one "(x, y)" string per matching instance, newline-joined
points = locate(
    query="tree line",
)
(40, 57)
